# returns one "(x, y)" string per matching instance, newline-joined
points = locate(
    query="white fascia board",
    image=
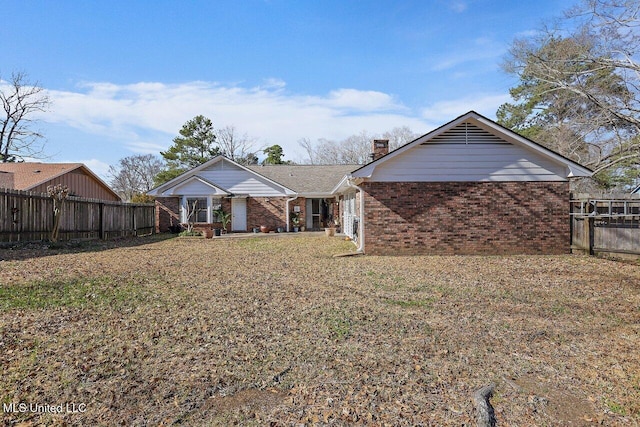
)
(367, 170)
(162, 188)
(219, 191)
(342, 185)
(316, 195)
(346, 183)
(573, 169)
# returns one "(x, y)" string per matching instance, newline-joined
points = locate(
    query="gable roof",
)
(572, 168)
(202, 170)
(217, 190)
(307, 180)
(29, 175)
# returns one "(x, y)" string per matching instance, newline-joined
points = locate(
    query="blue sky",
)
(125, 75)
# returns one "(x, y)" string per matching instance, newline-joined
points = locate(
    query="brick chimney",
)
(380, 148)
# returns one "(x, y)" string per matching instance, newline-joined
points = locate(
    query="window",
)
(204, 211)
(199, 207)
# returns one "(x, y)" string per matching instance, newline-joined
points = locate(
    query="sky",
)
(124, 76)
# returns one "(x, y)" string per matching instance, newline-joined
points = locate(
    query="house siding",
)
(239, 181)
(80, 185)
(474, 154)
(466, 218)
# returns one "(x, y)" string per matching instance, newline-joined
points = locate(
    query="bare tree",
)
(239, 148)
(355, 149)
(580, 86)
(399, 136)
(134, 175)
(309, 148)
(20, 100)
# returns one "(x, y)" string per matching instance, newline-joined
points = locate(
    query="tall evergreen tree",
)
(195, 145)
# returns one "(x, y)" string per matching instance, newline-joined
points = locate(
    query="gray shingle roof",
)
(307, 179)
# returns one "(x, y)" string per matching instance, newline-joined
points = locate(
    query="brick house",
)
(255, 196)
(469, 187)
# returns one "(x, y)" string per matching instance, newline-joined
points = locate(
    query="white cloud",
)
(146, 116)
(458, 6)
(358, 100)
(444, 111)
(477, 50)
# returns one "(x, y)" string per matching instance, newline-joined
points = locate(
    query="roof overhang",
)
(573, 169)
(162, 189)
(346, 184)
(175, 189)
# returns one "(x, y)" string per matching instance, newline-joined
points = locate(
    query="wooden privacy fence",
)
(26, 216)
(606, 225)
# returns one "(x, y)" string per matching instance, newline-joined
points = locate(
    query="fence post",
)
(101, 228)
(135, 225)
(589, 229)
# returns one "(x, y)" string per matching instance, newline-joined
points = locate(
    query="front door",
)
(238, 214)
(315, 214)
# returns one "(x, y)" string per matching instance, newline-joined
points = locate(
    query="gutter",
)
(288, 219)
(350, 184)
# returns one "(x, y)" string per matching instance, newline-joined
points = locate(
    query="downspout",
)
(288, 219)
(360, 247)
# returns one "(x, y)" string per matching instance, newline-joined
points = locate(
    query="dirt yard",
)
(276, 331)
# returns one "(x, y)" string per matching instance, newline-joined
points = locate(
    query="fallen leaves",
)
(264, 330)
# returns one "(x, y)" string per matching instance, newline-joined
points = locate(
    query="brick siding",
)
(167, 213)
(268, 211)
(466, 218)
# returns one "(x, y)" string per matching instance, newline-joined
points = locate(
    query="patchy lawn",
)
(261, 330)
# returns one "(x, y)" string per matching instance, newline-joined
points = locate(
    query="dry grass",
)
(266, 330)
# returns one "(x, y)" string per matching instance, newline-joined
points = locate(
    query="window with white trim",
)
(198, 206)
(204, 208)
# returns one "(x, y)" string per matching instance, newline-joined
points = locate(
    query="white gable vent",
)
(466, 133)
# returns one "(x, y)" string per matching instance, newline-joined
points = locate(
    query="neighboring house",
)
(468, 187)
(36, 177)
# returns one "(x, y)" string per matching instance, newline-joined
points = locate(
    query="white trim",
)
(210, 204)
(573, 169)
(360, 242)
(161, 189)
(173, 191)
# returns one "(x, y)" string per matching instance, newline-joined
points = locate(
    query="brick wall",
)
(269, 211)
(466, 217)
(167, 213)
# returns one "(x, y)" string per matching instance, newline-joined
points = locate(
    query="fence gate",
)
(606, 225)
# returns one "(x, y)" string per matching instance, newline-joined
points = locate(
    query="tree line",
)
(198, 142)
